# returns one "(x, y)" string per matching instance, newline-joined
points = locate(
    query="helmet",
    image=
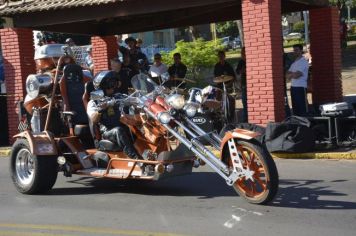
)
(105, 80)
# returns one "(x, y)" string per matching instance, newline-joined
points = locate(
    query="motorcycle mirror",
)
(97, 95)
(165, 77)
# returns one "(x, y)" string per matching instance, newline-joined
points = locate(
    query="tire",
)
(265, 182)
(31, 174)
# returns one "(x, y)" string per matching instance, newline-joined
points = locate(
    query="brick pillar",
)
(263, 42)
(104, 49)
(18, 52)
(326, 53)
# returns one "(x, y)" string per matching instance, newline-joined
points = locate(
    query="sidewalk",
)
(5, 151)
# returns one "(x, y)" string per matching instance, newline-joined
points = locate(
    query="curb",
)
(322, 155)
(5, 152)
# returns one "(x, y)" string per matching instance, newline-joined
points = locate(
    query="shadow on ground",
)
(304, 194)
(310, 194)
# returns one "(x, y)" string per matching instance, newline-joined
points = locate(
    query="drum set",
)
(215, 105)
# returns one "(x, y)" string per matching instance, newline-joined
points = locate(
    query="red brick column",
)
(264, 60)
(326, 53)
(18, 52)
(104, 49)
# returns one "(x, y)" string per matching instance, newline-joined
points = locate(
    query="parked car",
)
(227, 42)
(236, 43)
(293, 35)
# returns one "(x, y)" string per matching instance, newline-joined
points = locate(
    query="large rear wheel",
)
(31, 174)
(262, 186)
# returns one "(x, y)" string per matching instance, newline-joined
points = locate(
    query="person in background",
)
(136, 55)
(128, 70)
(298, 74)
(70, 42)
(223, 68)
(343, 33)
(139, 44)
(89, 64)
(123, 50)
(124, 81)
(241, 72)
(158, 68)
(308, 55)
(177, 70)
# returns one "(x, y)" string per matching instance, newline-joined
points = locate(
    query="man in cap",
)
(136, 55)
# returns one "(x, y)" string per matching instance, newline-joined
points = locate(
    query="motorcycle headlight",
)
(177, 101)
(190, 110)
(164, 117)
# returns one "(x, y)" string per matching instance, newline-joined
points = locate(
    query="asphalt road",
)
(316, 197)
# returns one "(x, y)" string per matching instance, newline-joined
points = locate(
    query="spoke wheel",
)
(263, 185)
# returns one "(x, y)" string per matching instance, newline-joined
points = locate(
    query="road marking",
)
(232, 222)
(82, 229)
(241, 214)
(18, 233)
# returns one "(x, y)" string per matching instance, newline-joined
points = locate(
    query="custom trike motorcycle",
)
(61, 138)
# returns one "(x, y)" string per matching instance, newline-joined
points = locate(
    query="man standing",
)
(223, 68)
(136, 55)
(298, 74)
(158, 68)
(177, 70)
(241, 71)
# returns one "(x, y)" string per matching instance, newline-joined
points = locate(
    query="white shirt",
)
(156, 71)
(302, 66)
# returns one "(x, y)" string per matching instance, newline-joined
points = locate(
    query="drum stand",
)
(226, 104)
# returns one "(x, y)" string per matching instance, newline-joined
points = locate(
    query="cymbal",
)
(184, 80)
(223, 78)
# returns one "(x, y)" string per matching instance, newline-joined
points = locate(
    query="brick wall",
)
(18, 52)
(263, 42)
(326, 54)
(104, 49)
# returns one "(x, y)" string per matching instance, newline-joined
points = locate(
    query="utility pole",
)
(348, 3)
(306, 27)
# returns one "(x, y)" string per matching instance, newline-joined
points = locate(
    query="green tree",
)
(228, 28)
(298, 26)
(342, 3)
(196, 55)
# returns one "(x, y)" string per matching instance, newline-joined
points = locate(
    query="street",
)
(316, 197)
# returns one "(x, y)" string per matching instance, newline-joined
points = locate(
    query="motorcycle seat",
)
(82, 130)
(106, 145)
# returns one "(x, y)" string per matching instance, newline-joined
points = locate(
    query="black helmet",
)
(105, 80)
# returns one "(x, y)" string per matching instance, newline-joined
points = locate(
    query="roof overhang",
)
(128, 16)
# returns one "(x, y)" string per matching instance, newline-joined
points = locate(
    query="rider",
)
(108, 116)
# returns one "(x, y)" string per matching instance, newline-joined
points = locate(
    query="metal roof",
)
(10, 7)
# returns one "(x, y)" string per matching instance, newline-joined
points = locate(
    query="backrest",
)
(72, 90)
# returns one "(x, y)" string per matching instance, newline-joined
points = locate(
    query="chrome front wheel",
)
(24, 166)
(31, 174)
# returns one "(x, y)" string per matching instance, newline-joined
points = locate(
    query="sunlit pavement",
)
(316, 197)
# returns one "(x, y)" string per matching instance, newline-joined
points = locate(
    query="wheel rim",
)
(256, 188)
(24, 166)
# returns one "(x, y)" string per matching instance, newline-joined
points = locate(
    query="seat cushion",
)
(82, 131)
(106, 145)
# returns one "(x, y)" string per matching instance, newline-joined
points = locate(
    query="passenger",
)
(108, 117)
